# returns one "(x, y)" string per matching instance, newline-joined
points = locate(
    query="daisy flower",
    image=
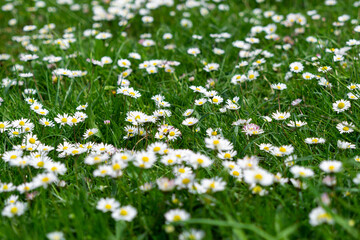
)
(296, 67)
(258, 176)
(345, 145)
(124, 63)
(188, 112)
(345, 127)
(193, 51)
(4, 126)
(218, 143)
(308, 76)
(330, 166)
(324, 69)
(278, 86)
(192, 234)
(282, 150)
(216, 100)
(190, 121)
(319, 216)
(176, 215)
(125, 213)
(107, 204)
(211, 67)
(55, 236)
(296, 123)
(267, 147)
(214, 184)
(299, 171)
(280, 115)
(252, 129)
(314, 140)
(14, 209)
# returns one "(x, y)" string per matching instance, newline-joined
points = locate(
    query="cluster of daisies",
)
(30, 154)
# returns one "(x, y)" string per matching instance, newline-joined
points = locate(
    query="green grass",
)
(235, 212)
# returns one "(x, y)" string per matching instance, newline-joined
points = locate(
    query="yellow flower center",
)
(324, 216)
(116, 166)
(185, 181)
(257, 189)
(341, 105)
(45, 179)
(123, 212)
(346, 128)
(14, 210)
